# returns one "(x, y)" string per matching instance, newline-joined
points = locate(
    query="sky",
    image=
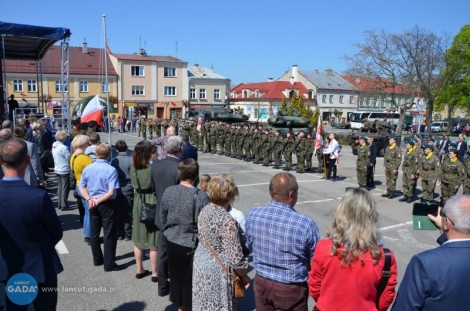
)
(245, 41)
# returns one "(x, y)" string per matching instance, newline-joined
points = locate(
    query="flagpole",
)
(106, 79)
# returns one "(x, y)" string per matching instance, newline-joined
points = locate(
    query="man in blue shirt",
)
(99, 185)
(283, 243)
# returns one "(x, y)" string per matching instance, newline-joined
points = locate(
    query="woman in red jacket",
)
(346, 268)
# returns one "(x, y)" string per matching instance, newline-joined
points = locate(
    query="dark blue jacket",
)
(189, 151)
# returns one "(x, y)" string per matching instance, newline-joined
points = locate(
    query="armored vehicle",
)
(284, 124)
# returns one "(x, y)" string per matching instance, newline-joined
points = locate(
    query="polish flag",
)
(319, 135)
(93, 111)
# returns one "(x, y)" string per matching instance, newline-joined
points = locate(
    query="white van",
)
(439, 126)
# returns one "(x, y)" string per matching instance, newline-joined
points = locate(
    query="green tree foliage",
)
(456, 75)
(297, 107)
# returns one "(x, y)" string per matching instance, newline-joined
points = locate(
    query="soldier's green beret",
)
(363, 138)
(411, 142)
(453, 145)
(429, 146)
(393, 137)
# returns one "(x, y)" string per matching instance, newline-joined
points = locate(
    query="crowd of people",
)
(431, 161)
(198, 241)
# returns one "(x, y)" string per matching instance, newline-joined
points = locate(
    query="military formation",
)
(427, 163)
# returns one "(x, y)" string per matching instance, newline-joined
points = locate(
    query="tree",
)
(455, 89)
(409, 61)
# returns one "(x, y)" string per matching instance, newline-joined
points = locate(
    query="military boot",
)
(404, 199)
(385, 195)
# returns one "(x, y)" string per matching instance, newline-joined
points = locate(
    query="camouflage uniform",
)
(392, 161)
(278, 145)
(452, 175)
(248, 141)
(240, 142)
(466, 183)
(207, 138)
(410, 176)
(309, 153)
(200, 137)
(221, 138)
(213, 138)
(288, 148)
(143, 128)
(256, 143)
(428, 169)
(194, 135)
(320, 159)
(361, 164)
(300, 147)
(235, 131)
(228, 141)
(265, 149)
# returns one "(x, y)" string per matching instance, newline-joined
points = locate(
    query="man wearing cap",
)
(372, 156)
(428, 170)
(452, 174)
(362, 161)
(410, 171)
(392, 161)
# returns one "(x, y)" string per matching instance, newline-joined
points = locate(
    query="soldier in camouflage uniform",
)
(194, 134)
(256, 145)
(207, 138)
(228, 140)
(300, 147)
(213, 138)
(392, 161)
(143, 128)
(158, 128)
(452, 175)
(309, 152)
(221, 138)
(265, 148)
(248, 143)
(151, 127)
(201, 134)
(362, 161)
(320, 159)
(240, 142)
(410, 171)
(466, 183)
(235, 131)
(428, 170)
(288, 149)
(278, 146)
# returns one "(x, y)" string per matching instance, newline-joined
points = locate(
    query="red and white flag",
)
(93, 111)
(319, 135)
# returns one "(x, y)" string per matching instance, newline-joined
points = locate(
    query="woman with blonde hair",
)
(219, 244)
(347, 266)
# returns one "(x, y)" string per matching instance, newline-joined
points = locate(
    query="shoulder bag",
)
(385, 275)
(148, 210)
(237, 281)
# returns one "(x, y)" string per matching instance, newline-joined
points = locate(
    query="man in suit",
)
(443, 145)
(437, 279)
(461, 147)
(29, 228)
(34, 175)
(189, 151)
(164, 174)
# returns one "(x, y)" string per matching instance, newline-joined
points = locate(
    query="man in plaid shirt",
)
(283, 243)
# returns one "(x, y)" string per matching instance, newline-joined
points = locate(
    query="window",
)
(137, 90)
(137, 71)
(331, 99)
(192, 93)
(58, 86)
(170, 90)
(83, 86)
(17, 85)
(32, 86)
(104, 89)
(169, 72)
(341, 99)
(216, 94)
(323, 99)
(310, 94)
(350, 99)
(202, 93)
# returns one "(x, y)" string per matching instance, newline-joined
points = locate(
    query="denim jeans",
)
(86, 218)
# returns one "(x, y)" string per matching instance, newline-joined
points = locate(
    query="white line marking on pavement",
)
(61, 248)
(396, 226)
(266, 183)
(315, 201)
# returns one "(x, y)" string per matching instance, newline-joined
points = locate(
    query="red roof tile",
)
(374, 85)
(267, 90)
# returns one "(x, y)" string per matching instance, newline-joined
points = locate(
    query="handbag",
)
(385, 275)
(148, 210)
(237, 281)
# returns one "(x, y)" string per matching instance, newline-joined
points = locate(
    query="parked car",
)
(440, 126)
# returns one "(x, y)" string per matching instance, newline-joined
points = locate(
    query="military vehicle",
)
(285, 124)
(380, 139)
(217, 114)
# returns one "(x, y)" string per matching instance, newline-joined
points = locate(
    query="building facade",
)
(207, 89)
(153, 86)
(262, 100)
(332, 95)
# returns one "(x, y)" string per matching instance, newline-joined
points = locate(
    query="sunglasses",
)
(442, 214)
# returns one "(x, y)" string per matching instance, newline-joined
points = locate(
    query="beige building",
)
(207, 89)
(154, 86)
